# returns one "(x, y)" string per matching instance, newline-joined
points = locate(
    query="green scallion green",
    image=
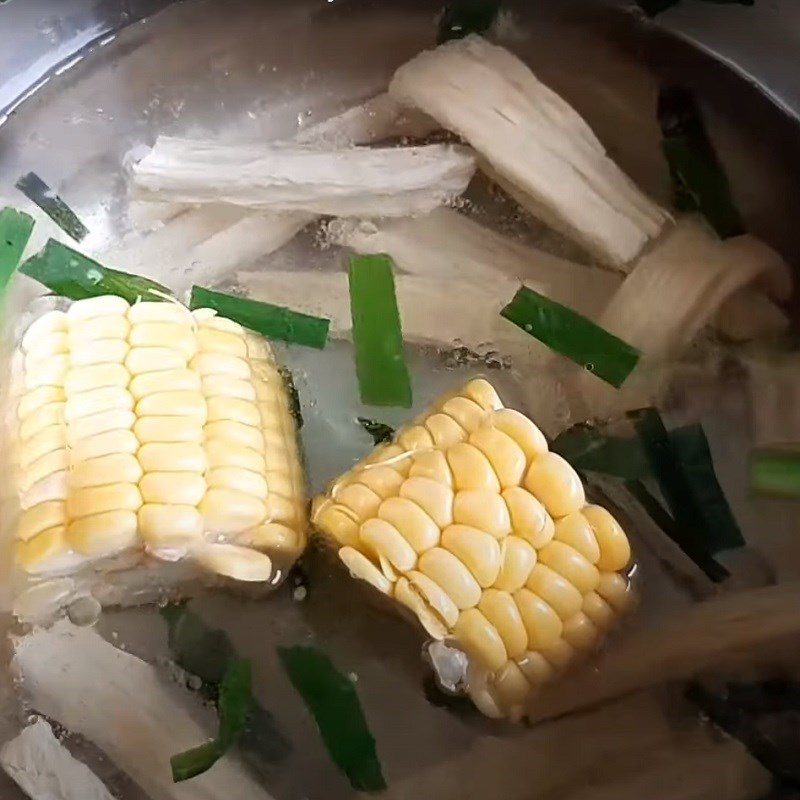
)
(206, 652)
(693, 454)
(590, 450)
(776, 473)
(333, 702)
(274, 322)
(699, 180)
(463, 17)
(383, 376)
(68, 273)
(572, 335)
(379, 432)
(15, 231)
(235, 700)
(36, 190)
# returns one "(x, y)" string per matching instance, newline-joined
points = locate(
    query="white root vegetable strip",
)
(472, 318)
(379, 118)
(369, 182)
(748, 315)
(742, 628)
(201, 245)
(45, 770)
(375, 120)
(118, 702)
(536, 141)
(774, 388)
(676, 290)
(446, 244)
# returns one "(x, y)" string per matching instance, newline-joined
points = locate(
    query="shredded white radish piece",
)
(202, 245)
(775, 275)
(675, 290)
(359, 181)
(748, 315)
(375, 120)
(45, 770)
(446, 244)
(735, 629)
(379, 118)
(536, 141)
(774, 387)
(471, 312)
(118, 702)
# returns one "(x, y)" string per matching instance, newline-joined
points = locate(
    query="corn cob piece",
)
(152, 434)
(469, 521)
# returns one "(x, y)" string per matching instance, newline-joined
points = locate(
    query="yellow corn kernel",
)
(482, 509)
(467, 413)
(480, 639)
(444, 430)
(432, 464)
(239, 563)
(405, 594)
(99, 499)
(521, 430)
(363, 502)
(416, 527)
(501, 610)
(575, 531)
(615, 551)
(444, 569)
(570, 564)
(178, 380)
(478, 550)
(166, 430)
(363, 569)
(105, 534)
(541, 622)
(518, 559)
(114, 468)
(555, 590)
(169, 525)
(39, 518)
(529, 519)
(556, 484)
(503, 453)
(381, 538)
(183, 488)
(432, 497)
(227, 511)
(471, 469)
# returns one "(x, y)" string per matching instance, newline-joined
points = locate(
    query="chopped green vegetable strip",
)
(687, 543)
(463, 17)
(206, 653)
(377, 336)
(379, 432)
(685, 473)
(776, 473)
(274, 322)
(698, 178)
(572, 335)
(15, 231)
(693, 454)
(35, 189)
(68, 273)
(332, 700)
(587, 449)
(235, 700)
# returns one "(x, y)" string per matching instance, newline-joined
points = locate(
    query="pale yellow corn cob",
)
(154, 431)
(469, 521)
